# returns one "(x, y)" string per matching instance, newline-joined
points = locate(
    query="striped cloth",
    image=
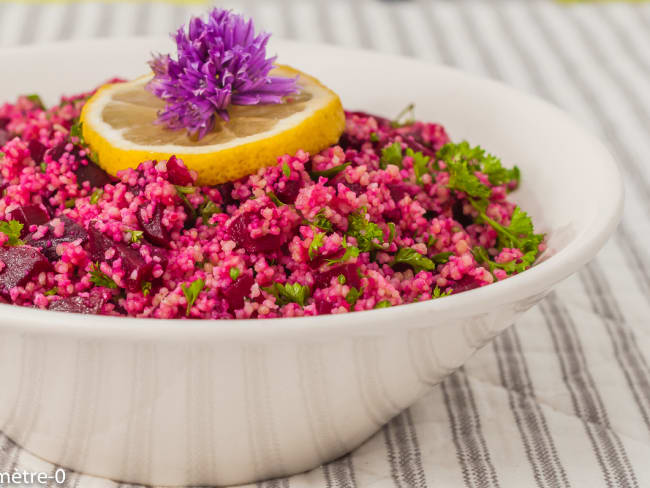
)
(562, 398)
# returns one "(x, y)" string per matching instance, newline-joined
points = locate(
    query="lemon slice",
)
(118, 124)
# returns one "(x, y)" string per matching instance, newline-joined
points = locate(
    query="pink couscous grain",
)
(377, 220)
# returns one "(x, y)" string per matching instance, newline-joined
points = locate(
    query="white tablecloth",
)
(562, 398)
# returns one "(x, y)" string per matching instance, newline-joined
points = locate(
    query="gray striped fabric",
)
(563, 398)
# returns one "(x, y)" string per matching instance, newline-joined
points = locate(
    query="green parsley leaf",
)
(146, 288)
(36, 100)
(286, 170)
(185, 190)
(414, 259)
(207, 209)
(274, 198)
(51, 291)
(391, 155)
(234, 273)
(405, 117)
(99, 278)
(294, 293)
(374, 137)
(43, 167)
(182, 192)
(192, 292)
(383, 304)
(438, 293)
(2, 155)
(353, 296)
(391, 231)
(462, 178)
(323, 222)
(76, 130)
(441, 258)
(341, 279)
(328, 173)
(431, 241)
(350, 252)
(316, 243)
(136, 235)
(12, 230)
(420, 162)
(364, 231)
(69, 203)
(96, 195)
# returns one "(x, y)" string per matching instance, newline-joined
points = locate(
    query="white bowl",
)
(205, 402)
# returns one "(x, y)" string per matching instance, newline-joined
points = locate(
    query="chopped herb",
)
(383, 304)
(69, 203)
(350, 252)
(438, 293)
(77, 131)
(99, 278)
(391, 155)
(185, 190)
(316, 243)
(323, 222)
(420, 162)
(295, 293)
(364, 231)
(374, 137)
(329, 173)
(405, 117)
(94, 157)
(43, 167)
(36, 100)
(12, 230)
(146, 288)
(234, 273)
(431, 241)
(191, 293)
(442, 257)
(136, 235)
(286, 170)
(207, 209)
(341, 279)
(352, 296)
(274, 198)
(96, 195)
(414, 259)
(391, 231)
(51, 291)
(2, 155)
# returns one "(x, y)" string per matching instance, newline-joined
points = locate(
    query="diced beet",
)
(87, 305)
(57, 151)
(237, 291)
(29, 215)
(36, 150)
(323, 306)
(289, 192)
(357, 188)
(93, 174)
(136, 270)
(393, 215)
(152, 228)
(399, 190)
(98, 243)
(177, 173)
(225, 190)
(324, 278)
(464, 284)
(417, 144)
(459, 216)
(21, 263)
(72, 231)
(239, 232)
(161, 254)
(5, 137)
(4, 122)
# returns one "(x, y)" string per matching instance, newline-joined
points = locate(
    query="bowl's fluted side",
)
(206, 412)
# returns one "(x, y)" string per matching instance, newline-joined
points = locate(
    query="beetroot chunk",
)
(98, 243)
(177, 173)
(86, 305)
(48, 243)
(93, 174)
(239, 233)
(289, 192)
(29, 215)
(36, 150)
(136, 270)
(324, 278)
(5, 137)
(153, 229)
(4, 122)
(237, 291)
(21, 263)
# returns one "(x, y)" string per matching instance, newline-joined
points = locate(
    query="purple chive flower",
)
(220, 62)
